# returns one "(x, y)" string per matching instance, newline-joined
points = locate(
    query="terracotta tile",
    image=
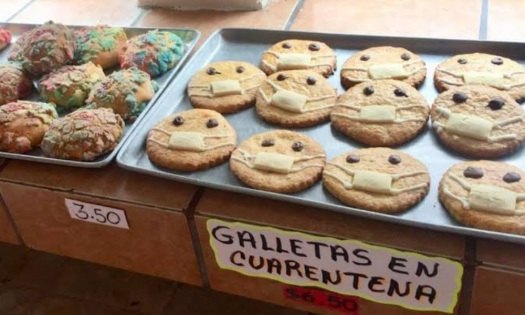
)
(274, 16)
(26, 268)
(498, 292)
(54, 305)
(10, 7)
(418, 18)
(505, 20)
(188, 301)
(114, 287)
(7, 229)
(114, 12)
(14, 301)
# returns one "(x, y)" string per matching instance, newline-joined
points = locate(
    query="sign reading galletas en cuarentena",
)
(347, 267)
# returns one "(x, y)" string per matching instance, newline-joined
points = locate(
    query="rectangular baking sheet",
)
(248, 45)
(189, 37)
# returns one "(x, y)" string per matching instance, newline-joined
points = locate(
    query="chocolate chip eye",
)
(511, 177)
(212, 71)
(314, 47)
(459, 97)
(473, 172)
(287, 45)
(311, 81)
(240, 69)
(400, 92)
(268, 143)
(179, 120)
(369, 90)
(405, 56)
(212, 123)
(497, 61)
(281, 77)
(298, 146)
(496, 103)
(394, 159)
(365, 57)
(353, 158)
(462, 61)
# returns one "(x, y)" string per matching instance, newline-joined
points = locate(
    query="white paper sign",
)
(97, 214)
(347, 267)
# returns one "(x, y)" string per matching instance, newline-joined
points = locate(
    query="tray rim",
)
(112, 155)
(460, 230)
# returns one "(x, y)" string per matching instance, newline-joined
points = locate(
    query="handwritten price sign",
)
(324, 299)
(96, 214)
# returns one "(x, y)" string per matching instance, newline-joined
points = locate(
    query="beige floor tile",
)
(505, 20)
(418, 18)
(76, 12)
(274, 16)
(114, 287)
(10, 7)
(188, 300)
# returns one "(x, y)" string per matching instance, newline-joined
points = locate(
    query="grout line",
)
(293, 15)
(469, 273)
(194, 234)
(12, 220)
(143, 12)
(483, 25)
(19, 11)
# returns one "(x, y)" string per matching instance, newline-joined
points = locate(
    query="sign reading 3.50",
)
(96, 214)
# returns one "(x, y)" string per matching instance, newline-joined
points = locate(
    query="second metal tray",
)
(189, 37)
(248, 45)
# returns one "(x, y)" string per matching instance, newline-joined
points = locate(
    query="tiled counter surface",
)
(496, 267)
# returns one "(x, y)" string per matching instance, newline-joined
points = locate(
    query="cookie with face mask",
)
(377, 179)
(481, 69)
(225, 86)
(295, 54)
(381, 113)
(383, 63)
(485, 195)
(280, 161)
(296, 98)
(478, 121)
(192, 140)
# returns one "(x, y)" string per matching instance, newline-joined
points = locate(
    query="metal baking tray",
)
(189, 36)
(248, 45)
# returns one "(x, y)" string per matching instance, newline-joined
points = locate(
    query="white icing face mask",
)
(487, 198)
(378, 114)
(386, 71)
(473, 127)
(498, 80)
(297, 61)
(275, 162)
(190, 141)
(222, 88)
(291, 101)
(374, 182)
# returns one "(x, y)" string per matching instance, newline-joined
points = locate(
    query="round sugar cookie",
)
(225, 86)
(192, 140)
(485, 195)
(383, 63)
(381, 113)
(296, 98)
(279, 161)
(377, 179)
(295, 54)
(478, 121)
(481, 69)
